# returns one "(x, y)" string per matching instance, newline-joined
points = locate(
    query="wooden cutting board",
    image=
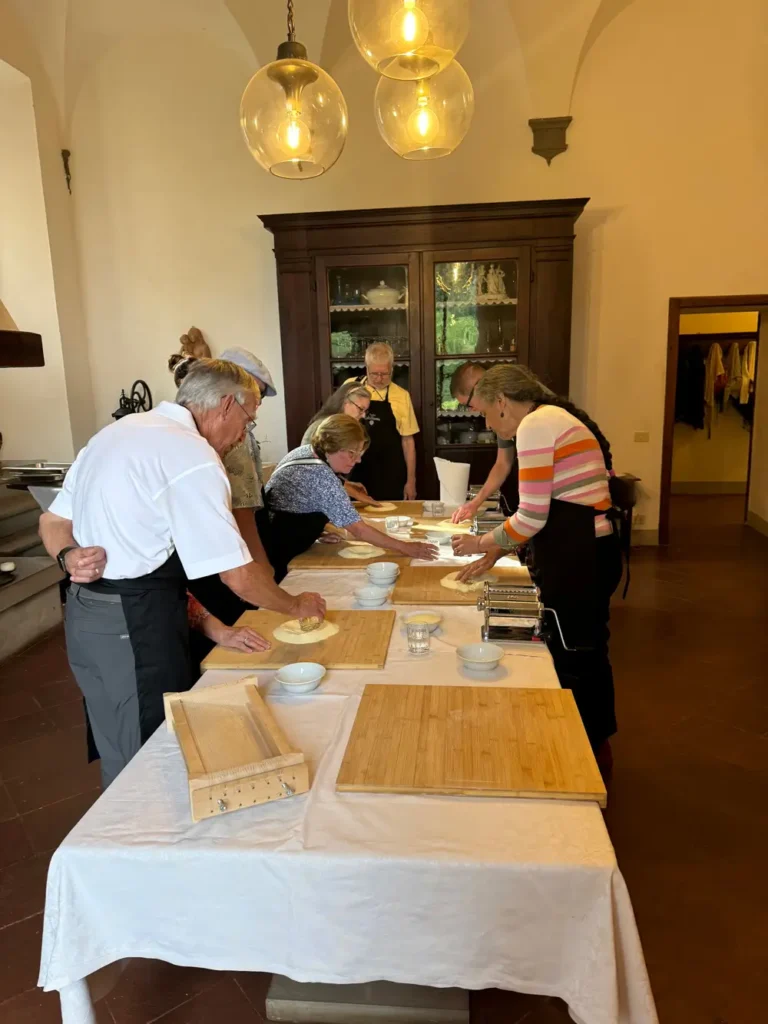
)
(362, 642)
(326, 556)
(420, 584)
(470, 741)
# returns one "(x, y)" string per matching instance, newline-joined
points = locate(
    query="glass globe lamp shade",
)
(427, 119)
(294, 116)
(409, 39)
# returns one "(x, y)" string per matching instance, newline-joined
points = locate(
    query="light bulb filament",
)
(409, 28)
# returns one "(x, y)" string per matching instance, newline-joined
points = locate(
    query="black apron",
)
(510, 489)
(291, 533)
(382, 469)
(577, 573)
(155, 609)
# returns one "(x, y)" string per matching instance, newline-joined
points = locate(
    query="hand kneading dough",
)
(290, 632)
(361, 551)
(451, 583)
(385, 506)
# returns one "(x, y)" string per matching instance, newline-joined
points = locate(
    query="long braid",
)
(589, 423)
(521, 384)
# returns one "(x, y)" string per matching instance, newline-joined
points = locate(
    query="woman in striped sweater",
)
(563, 521)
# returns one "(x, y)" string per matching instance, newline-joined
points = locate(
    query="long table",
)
(523, 895)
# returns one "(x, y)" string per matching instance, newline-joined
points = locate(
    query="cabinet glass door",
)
(476, 318)
(367, 304)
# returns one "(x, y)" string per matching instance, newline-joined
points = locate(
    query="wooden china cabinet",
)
(442, 284)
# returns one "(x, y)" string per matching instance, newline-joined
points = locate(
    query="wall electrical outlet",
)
(642, 435)
(638, 519)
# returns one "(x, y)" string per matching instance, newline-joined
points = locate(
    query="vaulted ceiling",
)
(553, 36)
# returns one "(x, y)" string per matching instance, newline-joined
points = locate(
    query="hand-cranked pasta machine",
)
(491, 504)
(513, 613)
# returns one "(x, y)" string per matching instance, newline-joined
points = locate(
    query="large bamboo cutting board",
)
(362, 642)
(470, 741)
(420, 584)
(326, 556)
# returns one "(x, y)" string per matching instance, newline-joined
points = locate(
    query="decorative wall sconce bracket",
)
(549, 136)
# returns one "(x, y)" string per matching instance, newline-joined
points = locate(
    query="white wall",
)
(166, 213)
(722, 458)
(34, 413)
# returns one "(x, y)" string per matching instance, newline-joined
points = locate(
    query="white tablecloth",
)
(343, 888)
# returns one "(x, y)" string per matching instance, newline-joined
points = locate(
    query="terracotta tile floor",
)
(687, 808)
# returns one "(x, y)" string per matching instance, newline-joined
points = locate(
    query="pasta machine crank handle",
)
(571, 650)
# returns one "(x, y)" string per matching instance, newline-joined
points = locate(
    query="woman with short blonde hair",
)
(305, 493)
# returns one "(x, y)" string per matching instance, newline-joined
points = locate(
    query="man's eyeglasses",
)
(246, 413)
(381, 375)
(468, 402)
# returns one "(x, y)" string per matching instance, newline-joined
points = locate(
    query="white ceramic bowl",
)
(383, 571)
(371, 597)
(300, 677)
(413, 617)
(480, 657)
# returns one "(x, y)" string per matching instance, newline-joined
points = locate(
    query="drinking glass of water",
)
(418, 637)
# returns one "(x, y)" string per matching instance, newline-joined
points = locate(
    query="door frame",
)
(691, 304)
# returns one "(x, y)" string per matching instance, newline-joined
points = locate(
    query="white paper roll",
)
(454, 481)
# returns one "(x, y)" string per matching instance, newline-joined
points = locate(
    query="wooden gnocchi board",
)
(235, 753)
(470, 741)
(326, 556)
(420, 584)
(362, 642)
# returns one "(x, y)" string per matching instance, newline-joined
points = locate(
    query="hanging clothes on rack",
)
(748, 364)
(733, 370)
(714, 385)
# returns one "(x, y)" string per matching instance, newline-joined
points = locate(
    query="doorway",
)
(708, 453)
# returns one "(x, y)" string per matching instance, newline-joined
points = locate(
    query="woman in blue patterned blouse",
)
(304, 493)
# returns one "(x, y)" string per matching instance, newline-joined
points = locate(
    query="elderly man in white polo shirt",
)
(150, 501)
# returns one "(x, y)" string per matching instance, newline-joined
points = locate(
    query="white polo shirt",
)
(147, 485)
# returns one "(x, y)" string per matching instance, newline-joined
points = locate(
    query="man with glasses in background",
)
(145, 512)
(388, 468)
(463, 383)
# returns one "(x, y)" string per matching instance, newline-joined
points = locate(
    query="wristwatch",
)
(60, 558)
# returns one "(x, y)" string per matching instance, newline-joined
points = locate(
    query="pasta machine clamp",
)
(513, 613)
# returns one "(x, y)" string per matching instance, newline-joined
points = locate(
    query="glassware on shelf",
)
(475, 308)
(365, 305)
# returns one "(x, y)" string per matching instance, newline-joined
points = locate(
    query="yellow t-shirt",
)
(402, 407)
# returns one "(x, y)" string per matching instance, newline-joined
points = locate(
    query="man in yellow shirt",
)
(388, 468)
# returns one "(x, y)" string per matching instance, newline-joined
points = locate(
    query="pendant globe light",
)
(409, 39)
(427, 119)
(293, 114)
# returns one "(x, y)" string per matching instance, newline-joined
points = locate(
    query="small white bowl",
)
(383, 569)
(480, 657)
(381, 578)
(371, 597)
(300, 677)
(413, 617)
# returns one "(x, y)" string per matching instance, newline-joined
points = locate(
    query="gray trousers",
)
(101, 658)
